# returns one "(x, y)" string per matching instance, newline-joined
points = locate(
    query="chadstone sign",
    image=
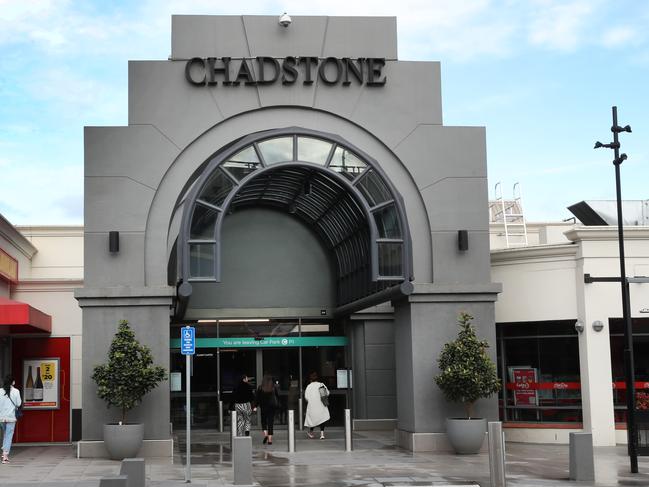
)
(331, 71)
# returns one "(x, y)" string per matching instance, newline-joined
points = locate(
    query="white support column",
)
(595, 364)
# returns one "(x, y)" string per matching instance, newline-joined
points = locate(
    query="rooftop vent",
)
(604, 212)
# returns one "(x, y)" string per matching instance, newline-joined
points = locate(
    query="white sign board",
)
(41, 383)
(176, 381)
(341, 378)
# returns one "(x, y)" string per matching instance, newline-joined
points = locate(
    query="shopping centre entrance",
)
(283, 235)
(286, 349)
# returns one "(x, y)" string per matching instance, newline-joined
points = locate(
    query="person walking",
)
(9, 403)
(244, 400)
(268, 401)
(317, 412)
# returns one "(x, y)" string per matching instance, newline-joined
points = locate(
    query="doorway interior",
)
(286, 349)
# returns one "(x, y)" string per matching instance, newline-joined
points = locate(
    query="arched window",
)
(319, 178)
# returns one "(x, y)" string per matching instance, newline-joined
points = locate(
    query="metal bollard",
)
(233, 427)
(496, 440)
(348, 430)
(300, 413)
(220, 416)
(291, 431)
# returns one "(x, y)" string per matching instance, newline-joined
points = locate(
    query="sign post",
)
(188, 348)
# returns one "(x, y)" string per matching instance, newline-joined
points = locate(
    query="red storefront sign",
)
(524, 393)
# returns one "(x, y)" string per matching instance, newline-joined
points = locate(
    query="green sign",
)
(265, 342)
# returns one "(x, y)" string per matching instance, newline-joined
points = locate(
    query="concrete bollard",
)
(496, 440)
(348, 430)
(291, 431)
(118, 481)
(582, 462)
(233, 427)
(133, 469)
(242, 460)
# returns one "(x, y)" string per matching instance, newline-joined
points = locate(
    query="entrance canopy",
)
(22, 318)
(334, 188)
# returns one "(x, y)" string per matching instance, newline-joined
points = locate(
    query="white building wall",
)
(48, 284)
(538, 283)
(546, 282)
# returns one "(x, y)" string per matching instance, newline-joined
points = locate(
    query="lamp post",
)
(629, 368)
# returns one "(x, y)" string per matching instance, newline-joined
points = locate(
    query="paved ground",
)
(375, 462)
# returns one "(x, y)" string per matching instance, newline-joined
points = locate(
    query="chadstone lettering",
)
(264, 70)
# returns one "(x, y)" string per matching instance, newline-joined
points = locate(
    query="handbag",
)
(18, 412)
(324, 395)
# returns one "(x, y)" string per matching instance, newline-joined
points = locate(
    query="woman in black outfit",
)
(268, 400)
(243, 399)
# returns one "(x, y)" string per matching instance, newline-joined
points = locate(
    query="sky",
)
(540, 75)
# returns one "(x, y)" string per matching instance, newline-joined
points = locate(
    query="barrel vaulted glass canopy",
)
(338, 191)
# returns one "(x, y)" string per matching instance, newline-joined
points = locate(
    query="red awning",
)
(23, 318)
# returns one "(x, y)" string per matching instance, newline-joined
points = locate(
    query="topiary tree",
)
(466, 371)
(129, 373)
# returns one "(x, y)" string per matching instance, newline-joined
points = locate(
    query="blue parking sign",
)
(188, 340)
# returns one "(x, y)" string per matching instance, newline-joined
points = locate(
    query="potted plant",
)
(466, 375)
(128, 376)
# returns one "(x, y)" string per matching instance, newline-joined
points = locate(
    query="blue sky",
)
(541, 75)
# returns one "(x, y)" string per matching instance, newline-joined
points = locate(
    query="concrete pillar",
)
(424, 322)
(595, 363)
(147, 311)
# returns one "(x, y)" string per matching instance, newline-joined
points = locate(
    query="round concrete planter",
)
(466, 435)
(123, 440)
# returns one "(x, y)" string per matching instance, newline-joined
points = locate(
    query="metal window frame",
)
(350, 186)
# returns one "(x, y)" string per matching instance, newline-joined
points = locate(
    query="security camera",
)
(284, 20)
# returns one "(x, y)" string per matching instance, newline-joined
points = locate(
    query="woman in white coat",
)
(317, 414)
(9, 402)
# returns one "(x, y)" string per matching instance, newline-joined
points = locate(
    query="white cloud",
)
(619, 36)
(45, 194)
(559, 24)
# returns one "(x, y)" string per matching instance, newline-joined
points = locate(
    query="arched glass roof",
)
(338, 191)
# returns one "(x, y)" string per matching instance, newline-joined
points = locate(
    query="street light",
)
(629, 369)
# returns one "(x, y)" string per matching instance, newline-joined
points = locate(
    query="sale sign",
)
(524, 379)
(41, 383)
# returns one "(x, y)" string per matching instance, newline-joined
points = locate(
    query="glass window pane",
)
(217, 188)
(387, 222)
(374, 189)
(277, 150)
(201, 260)
(203, 221)
(243, 163)
(313, 150)
(390, 259)
(346, 163)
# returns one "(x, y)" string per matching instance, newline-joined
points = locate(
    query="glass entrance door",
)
(235, 363)
(283, 365)
(287, 349)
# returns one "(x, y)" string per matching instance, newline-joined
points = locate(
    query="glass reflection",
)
(217, 188)
(243, 163)
(374, 189)
(203, 221)
(277, 150)
(201, 260)
(390, 259)
(346, 163)
(313, 150)
(387, 222)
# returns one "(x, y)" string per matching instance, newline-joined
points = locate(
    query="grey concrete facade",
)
(135, 177)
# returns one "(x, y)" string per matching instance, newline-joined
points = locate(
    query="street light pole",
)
(629, 367)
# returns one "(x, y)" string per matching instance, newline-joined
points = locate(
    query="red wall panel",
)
(44, 426)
